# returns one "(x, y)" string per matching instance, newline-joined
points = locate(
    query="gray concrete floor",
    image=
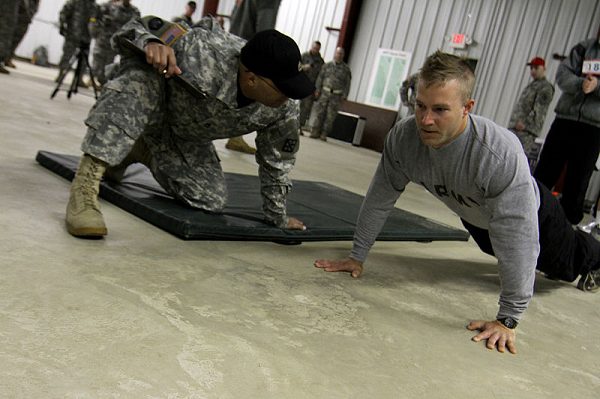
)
(144, 314)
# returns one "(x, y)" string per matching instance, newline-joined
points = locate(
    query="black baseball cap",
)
(275, 56)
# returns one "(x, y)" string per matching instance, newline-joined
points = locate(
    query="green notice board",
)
(391, 69)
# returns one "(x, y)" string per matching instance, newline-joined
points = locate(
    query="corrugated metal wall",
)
(306, 20)
(506, 34)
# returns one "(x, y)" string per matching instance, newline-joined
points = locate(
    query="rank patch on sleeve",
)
(289, 145)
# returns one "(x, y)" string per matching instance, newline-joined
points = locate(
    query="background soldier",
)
(74, 18)
(111, 17)
(333, 85)
(408, 95)
(27, 9)
(311, 65)
(527, 118)
(186, 18)
(408, 92)
(8, 21)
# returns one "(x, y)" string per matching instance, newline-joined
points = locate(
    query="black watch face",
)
(508, 322)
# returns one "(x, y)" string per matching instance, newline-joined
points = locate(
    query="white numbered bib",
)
(591, 67)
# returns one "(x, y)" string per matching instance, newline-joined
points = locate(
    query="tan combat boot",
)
(84, 218)
(238, 144)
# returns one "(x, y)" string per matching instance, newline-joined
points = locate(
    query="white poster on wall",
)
(390, 70)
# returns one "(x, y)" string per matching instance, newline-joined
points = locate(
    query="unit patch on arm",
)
(289, 145)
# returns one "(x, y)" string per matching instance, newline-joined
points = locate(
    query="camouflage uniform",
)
(8, 21)
(531, 111)
(178, 128)
(408, 92)
(109, 19)
(27, 9)
(333, 84)
(74, 18)
(316, 63)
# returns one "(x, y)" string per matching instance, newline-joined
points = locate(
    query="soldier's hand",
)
(295, 224)
(162, 58)
(349, 265)
(589, 84)
(519, 126)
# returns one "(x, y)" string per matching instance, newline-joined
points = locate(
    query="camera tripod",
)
(80, 60)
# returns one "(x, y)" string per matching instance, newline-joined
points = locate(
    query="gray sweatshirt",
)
(484, 177)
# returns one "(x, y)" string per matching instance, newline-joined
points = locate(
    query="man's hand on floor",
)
(349, 265)
(496, 334)
(295, 224)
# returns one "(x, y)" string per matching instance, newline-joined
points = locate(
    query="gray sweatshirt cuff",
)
(506, 311)
(359, 254)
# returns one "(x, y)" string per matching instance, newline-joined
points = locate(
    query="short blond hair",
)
(440, 68)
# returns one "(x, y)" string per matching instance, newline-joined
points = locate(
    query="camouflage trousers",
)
(133, 107)
(103, 56)
(527, 140)
(323, 114)
(305, 109)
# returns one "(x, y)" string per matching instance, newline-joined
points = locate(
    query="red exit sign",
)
(458, 40)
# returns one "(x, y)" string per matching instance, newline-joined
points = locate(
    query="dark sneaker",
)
(590, 282)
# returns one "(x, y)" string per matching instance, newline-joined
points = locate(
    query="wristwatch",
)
(508, 322)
